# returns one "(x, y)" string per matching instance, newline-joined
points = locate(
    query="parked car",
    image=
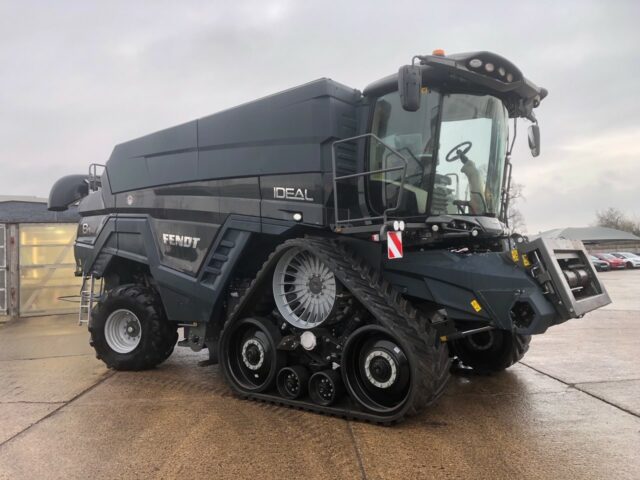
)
(630, 260)
(614, 262)
(599, 265)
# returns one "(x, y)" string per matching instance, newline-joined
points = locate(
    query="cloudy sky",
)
(77, 77)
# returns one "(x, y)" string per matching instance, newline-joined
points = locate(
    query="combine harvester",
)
(334, 249)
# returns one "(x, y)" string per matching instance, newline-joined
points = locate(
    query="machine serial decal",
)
(180, 240)
(290, 193)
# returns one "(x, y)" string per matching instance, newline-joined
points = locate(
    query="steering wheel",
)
(460, 151)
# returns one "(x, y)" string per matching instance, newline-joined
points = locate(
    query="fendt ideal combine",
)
(335, 250)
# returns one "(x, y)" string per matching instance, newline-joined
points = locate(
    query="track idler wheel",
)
(377, 371)
(325, 387)
(249, 354)
(292, 381)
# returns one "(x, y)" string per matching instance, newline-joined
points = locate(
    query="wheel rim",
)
(123, 331)
(251, 355)
(376, 371)
(304, 289)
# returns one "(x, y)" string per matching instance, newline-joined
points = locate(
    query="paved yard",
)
(570, 410)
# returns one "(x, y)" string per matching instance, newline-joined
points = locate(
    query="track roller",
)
(325, 387)
(292, 381)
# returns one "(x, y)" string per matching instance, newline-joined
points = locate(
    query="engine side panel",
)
(190, 283)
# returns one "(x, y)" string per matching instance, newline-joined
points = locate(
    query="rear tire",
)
(492, 351)
(129, 329)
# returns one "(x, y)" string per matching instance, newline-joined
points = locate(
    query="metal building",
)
(597, 239)
(36, 258)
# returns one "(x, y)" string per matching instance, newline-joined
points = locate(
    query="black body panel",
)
(190, 280)
(279, 134)
(457, 282)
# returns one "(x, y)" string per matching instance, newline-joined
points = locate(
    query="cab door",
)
(412, 135)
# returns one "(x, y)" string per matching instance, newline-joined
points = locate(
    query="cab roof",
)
(473, 72)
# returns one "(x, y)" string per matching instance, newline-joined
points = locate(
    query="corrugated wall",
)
(46, 268)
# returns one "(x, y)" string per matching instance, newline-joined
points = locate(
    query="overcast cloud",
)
(78, 77)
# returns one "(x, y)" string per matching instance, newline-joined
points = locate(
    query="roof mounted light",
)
(438, 52)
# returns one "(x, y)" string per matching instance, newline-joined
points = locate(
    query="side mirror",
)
(534, 139)
(409, 87)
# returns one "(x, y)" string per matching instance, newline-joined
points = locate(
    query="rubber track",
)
(389, 309)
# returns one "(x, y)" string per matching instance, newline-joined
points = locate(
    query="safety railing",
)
(94, 178)
(348, 221)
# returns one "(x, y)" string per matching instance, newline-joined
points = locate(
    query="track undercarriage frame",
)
(376, 309)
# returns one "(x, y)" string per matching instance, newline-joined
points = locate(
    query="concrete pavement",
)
(570, 410)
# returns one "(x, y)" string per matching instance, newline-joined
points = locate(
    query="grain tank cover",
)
(278, 134)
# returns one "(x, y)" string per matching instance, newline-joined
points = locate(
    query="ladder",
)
(88, 297)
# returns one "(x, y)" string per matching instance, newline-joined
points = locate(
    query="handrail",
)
(366, 173)
(93, 178)
(370, 172)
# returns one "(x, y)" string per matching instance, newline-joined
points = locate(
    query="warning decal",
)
(394, 245)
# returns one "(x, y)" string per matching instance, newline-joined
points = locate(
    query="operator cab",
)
(438, 137)
(455, 145)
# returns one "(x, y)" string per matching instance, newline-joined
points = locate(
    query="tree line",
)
(610, 217)
(614, 218)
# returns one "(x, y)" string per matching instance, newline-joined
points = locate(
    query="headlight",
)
(489, 67)
(475, 63)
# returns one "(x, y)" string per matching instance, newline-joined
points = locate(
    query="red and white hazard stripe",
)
(394, 245)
